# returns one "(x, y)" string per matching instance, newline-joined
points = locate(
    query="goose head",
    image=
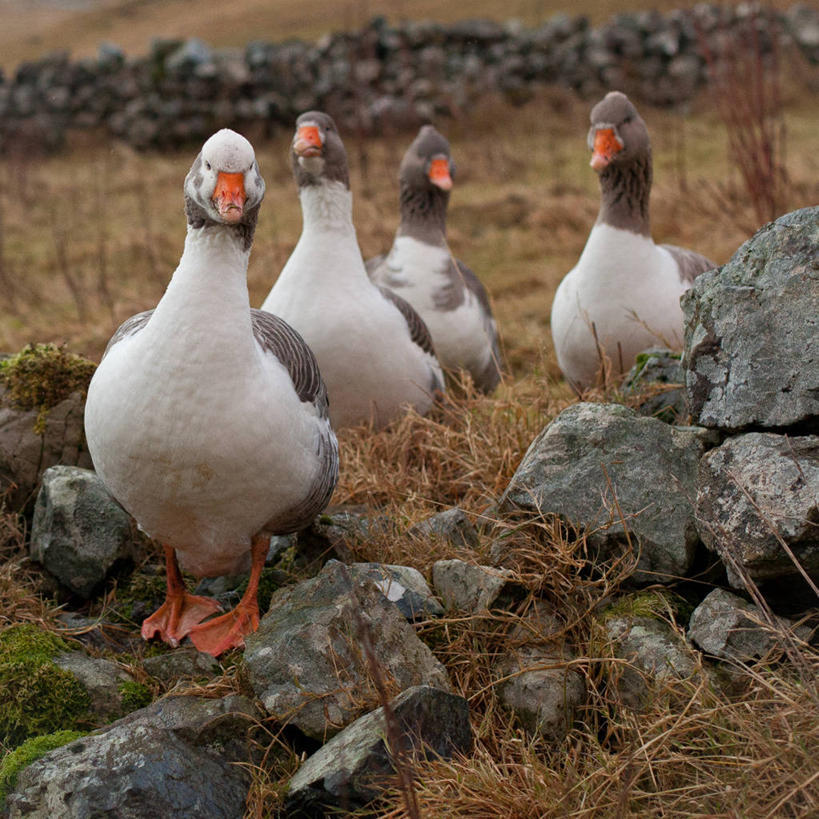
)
(317, 153)
(224, 186)
(618, 134)
(427, 165)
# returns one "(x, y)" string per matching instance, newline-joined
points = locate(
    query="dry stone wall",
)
(383, 77)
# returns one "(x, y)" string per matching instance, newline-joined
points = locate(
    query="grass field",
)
(91, 236)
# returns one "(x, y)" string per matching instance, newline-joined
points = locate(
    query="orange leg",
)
(229, 630)
(181, 610)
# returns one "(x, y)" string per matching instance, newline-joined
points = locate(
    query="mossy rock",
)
(42, 402)
(30, 751)
(40, 376)
(39, 697)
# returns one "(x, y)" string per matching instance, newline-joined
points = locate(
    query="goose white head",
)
(224, 185)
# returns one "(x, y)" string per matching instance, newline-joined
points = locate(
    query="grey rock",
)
(656, 385)
(729, 627)
(607, 470)
(752, 331)
(468, 588)
(175, 758)
(184, 662)
(404, 586)
(343, 774)
(452, 526)
(26, 454)
(540, 689)
(758, 498)
(79, 532)
(654, 654)
(308, 662)
(101, 678)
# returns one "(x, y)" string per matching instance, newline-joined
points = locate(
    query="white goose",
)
(208, 420)
(374, 351)
(623, 295)
(420, 267)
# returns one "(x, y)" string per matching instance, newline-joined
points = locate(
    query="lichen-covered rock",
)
(184, 662)
(655, 387)
(308, 661)
(344, 773)
(468, 588)
(451, 526)
(404, 586)
(542, 690)
(729, 627)
(111, 690)
(608, 471)
(176, 758)
(752, 331)
(757, 492)
(42, 400)
(654, 653)
(79, 532)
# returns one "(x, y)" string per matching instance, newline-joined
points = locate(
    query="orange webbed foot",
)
(175, 618)
(226, 632)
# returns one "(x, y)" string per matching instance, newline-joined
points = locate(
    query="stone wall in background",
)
(383, 78)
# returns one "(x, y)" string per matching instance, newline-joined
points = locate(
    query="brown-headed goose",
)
(208, 420)
(420, 267)
(374, 351)
(623, 295)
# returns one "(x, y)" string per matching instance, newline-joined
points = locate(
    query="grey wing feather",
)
(418, 330)
(275, 335)
(129, 327)
(691, 264)
(489, 378)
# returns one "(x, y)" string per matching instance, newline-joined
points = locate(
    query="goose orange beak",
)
(229, 196)
(606, 145)
(307, 141)
(439, 174)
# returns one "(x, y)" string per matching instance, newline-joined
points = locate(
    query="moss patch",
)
(42, 375)
(39, 697)
(134, 695)
(652, 604)
(30, 751)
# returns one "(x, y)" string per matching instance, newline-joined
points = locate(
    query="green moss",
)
(142, 590)
(38, 696)
(653, 604)
(30, 751)
(42, 375)
(134, 695)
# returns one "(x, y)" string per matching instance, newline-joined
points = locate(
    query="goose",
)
(420, 267)
(623, 295)
(207, 420)
(374, 351)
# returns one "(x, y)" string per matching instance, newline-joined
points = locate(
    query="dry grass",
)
(92, 237)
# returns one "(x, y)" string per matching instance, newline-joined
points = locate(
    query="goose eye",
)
(207, 165)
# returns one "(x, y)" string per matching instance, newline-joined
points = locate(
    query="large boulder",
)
(79, 532)
(620, 478)
(312, 660)
(350, 769)
(752, 331)
(758, 505)
(177, 758)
